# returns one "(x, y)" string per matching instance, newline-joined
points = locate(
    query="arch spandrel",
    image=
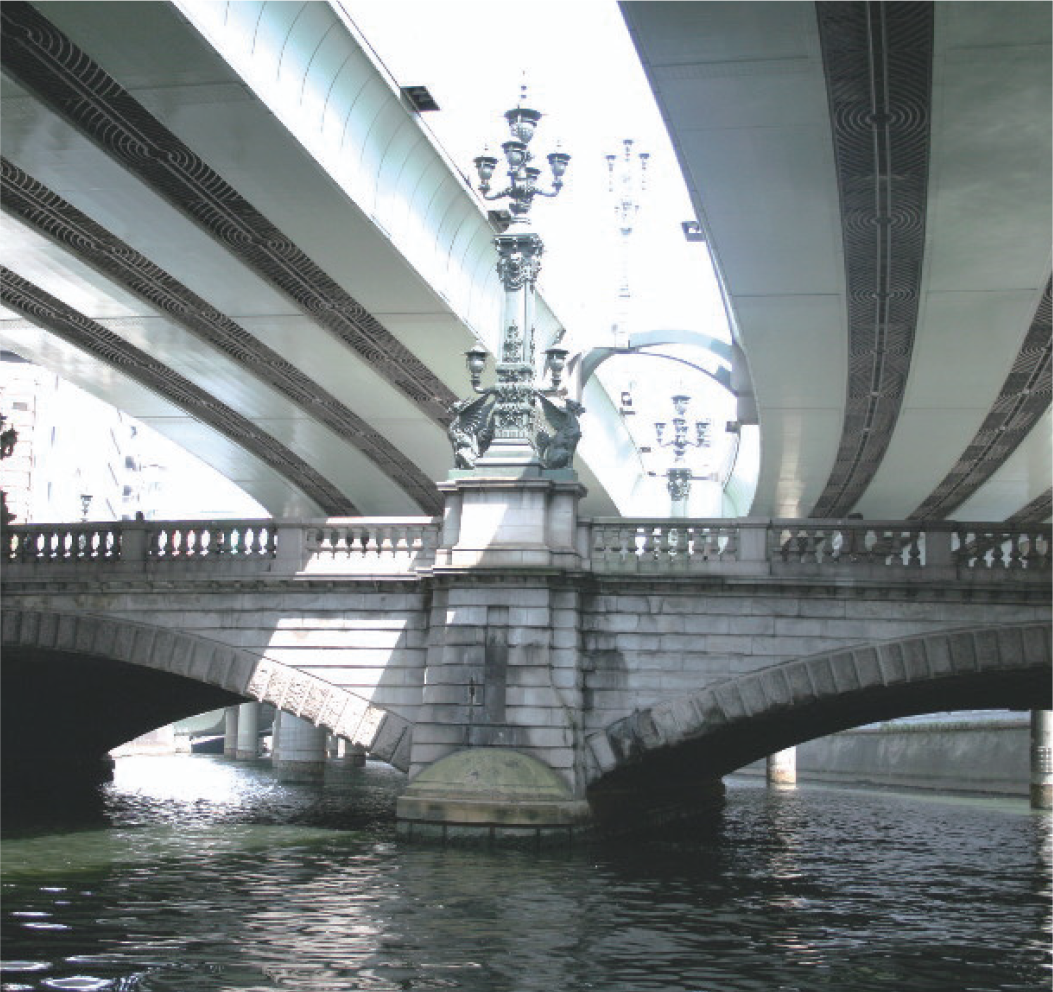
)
(246, 673)
(741, 719)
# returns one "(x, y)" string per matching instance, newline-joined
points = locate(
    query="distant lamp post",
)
(628, 181)
(517, 422)
(85, 506)
(679, 475)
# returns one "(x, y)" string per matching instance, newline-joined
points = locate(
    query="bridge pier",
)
(302, 754)
(248, 745)
(230, 731)
(498, 749)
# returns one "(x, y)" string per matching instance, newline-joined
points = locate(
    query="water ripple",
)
(267, 887)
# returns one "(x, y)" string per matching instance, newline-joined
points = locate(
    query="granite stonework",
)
(636, 661)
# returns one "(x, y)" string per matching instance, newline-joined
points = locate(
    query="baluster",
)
(323, 543)
(805, 543)
(385, 546)
(914, 549)
(666, 545)
(355, 541)
(639, 537)
(1015, 555)
(997, 551)
(870, 546)
(688, 542)
(336, 542)
(1039, 556)
(599, 543)
(728, 540)
(345, 543)
(645, 542)
(707, 543)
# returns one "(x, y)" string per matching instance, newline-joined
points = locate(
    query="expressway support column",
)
(248, 732)
(302, 756)
(1042, 759)
(230, 731)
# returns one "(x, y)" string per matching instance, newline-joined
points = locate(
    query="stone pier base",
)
(490, 796)
(500, 797)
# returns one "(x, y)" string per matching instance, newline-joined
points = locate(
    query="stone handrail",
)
(406, 546)
(788, 547)
(352, 546)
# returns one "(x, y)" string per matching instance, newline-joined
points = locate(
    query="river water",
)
(195, 874)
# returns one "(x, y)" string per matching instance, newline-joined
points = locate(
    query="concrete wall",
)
(987, 756)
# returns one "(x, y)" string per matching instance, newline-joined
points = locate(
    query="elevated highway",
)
(873, 182)
(247, 239)
(230, 222)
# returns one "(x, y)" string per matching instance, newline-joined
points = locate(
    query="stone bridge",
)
(638, 661)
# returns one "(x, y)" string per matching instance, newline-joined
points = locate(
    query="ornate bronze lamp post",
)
(516, 422)
(678, 476)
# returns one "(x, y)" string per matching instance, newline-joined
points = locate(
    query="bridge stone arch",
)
(240, 672)
(737, 720)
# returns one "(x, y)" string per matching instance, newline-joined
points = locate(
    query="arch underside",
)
(81, 684)
(739, 720)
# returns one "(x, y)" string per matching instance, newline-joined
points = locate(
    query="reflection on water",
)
(198, 874)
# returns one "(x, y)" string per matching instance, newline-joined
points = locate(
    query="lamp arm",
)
(495, 196)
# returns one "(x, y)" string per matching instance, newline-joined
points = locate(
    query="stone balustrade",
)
(338, 546)
(368, 546)
(801, 547)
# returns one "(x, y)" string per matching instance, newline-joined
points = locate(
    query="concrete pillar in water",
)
(276, 726)
(248, 732)
(351, 755)
(1042, 759)
(782, 767)
(230, 731)
(302, 755)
